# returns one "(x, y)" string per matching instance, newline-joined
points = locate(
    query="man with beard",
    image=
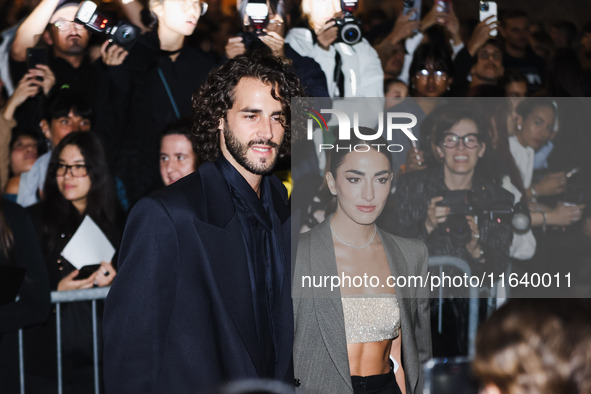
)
(53, 21)
(68, 41)
(518, 55)
(203, 292)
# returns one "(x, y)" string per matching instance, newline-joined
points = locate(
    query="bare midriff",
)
(369, 358)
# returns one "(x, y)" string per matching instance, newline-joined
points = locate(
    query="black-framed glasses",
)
(76, 170)
(438, 75)
(451, 140)
(64, 25)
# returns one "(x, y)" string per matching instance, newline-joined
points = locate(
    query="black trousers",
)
(376, 384)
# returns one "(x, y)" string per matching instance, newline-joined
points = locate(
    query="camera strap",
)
(169, 92)
(339, 77)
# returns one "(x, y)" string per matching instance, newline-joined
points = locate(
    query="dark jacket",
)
(411, 200)
(136, 108)
(33, 304)
(179, 317)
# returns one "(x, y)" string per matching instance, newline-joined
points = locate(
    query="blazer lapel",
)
(223, 243)
(398, 267)
(328, 305)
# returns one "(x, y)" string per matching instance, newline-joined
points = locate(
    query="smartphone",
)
(449, 376)
(86, 271)
(488, 8)
(574, 194)
(410, 5)
(36, 56)
(442, 5)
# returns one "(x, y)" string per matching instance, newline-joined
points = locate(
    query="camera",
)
(349, 26)
(257, 13)
(123, 33)
(484, 6)
(463, 203)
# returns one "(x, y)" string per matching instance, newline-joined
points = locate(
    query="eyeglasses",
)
(201, 5)
(64, 25)
(485, 55)
(76, 170)
(438, 75)
(470, 141)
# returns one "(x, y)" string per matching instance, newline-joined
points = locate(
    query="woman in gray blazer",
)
(351, 319)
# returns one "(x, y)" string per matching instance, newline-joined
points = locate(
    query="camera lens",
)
(484, 6)
(409, 3)
(458, 230)
(125, 34)
(351, 34)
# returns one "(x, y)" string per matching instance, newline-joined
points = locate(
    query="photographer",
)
(460, 140)
(52, 22)
(351, 70)
(268, 34)
(150, 85)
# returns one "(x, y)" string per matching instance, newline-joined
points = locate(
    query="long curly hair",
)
(216, 96)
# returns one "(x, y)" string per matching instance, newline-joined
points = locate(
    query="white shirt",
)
(524, 159)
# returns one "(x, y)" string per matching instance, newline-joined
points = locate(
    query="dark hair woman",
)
(354, 337)
(461, 143)
(78, 184)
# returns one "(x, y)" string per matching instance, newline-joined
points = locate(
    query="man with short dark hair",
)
(485, 67)
(53, 20)
(203, 292)
(518, 54)
(65, 112)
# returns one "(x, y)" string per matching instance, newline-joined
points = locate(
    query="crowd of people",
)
(91, 124)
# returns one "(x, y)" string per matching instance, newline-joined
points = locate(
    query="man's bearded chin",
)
(239, 152)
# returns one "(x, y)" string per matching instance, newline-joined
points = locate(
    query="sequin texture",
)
(371, 318)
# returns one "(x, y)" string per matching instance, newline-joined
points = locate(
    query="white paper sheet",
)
(89, 245)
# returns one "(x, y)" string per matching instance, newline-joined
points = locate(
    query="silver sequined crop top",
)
(371, 318)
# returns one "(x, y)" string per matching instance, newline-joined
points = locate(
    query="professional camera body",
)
(257, 13)
(463, 203)
(349, 26)
(123, 33)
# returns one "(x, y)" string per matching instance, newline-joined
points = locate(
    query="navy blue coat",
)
(179, 317)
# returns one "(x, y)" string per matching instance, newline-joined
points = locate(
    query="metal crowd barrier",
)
(58, 298)
(450, 261)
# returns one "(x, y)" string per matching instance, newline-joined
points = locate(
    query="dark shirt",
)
(81, 78)
(140, 108)
(76, 320)
(264, 257)
(309, 72)
(84, 79)
(33, 304)
(531, 66)
(411, 200)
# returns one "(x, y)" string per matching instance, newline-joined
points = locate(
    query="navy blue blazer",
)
(179, 317)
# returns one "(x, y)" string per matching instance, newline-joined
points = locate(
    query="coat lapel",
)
(398, 267)
(328, 305)
(223, 243)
